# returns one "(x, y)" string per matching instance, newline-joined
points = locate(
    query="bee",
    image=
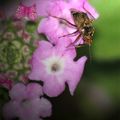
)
(83, 25)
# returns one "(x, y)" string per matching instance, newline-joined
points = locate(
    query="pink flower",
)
(54, 65)
(26, 103)
(41, 5)
(28, 12)
(62, 7)
(56, 28)
(5, 81)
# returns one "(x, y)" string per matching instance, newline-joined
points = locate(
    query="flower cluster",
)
(60, 20)
(54, 60)
(54, 65)
(5, 81)
(26, 103)
(16, 47)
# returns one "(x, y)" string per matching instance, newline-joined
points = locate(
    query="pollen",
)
(55, 67)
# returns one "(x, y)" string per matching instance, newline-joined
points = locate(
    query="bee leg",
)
(73, 46)
(73, 43)
(63, 20)
(88, 41)
(74, 33)
(78, 46)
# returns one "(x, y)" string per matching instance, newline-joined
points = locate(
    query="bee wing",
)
(80, 18)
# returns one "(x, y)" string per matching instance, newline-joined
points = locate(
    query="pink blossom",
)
(26, 103)
(5, 81)
(54, 65)
(41, 5)
(56, 28)
(24, 78)
(25, 35)
(28, 12)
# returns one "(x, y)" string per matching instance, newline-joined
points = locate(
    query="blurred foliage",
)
(106, 42)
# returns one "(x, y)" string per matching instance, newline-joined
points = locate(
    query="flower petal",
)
(45, 108)
(53, 31)
(54, 86)
(18, 92)
(42, 6)
(37, 71)
(42, 52)
(92, 11)
(59, 8)
(11, 110)
(74, 73)
(30, 114)
(63, 49)
(34, 90)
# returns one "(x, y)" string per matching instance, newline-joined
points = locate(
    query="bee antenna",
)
(87, 11)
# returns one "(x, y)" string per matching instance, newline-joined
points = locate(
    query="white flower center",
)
(54, 65)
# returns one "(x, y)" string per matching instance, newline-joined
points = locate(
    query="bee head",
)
(88, 30)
